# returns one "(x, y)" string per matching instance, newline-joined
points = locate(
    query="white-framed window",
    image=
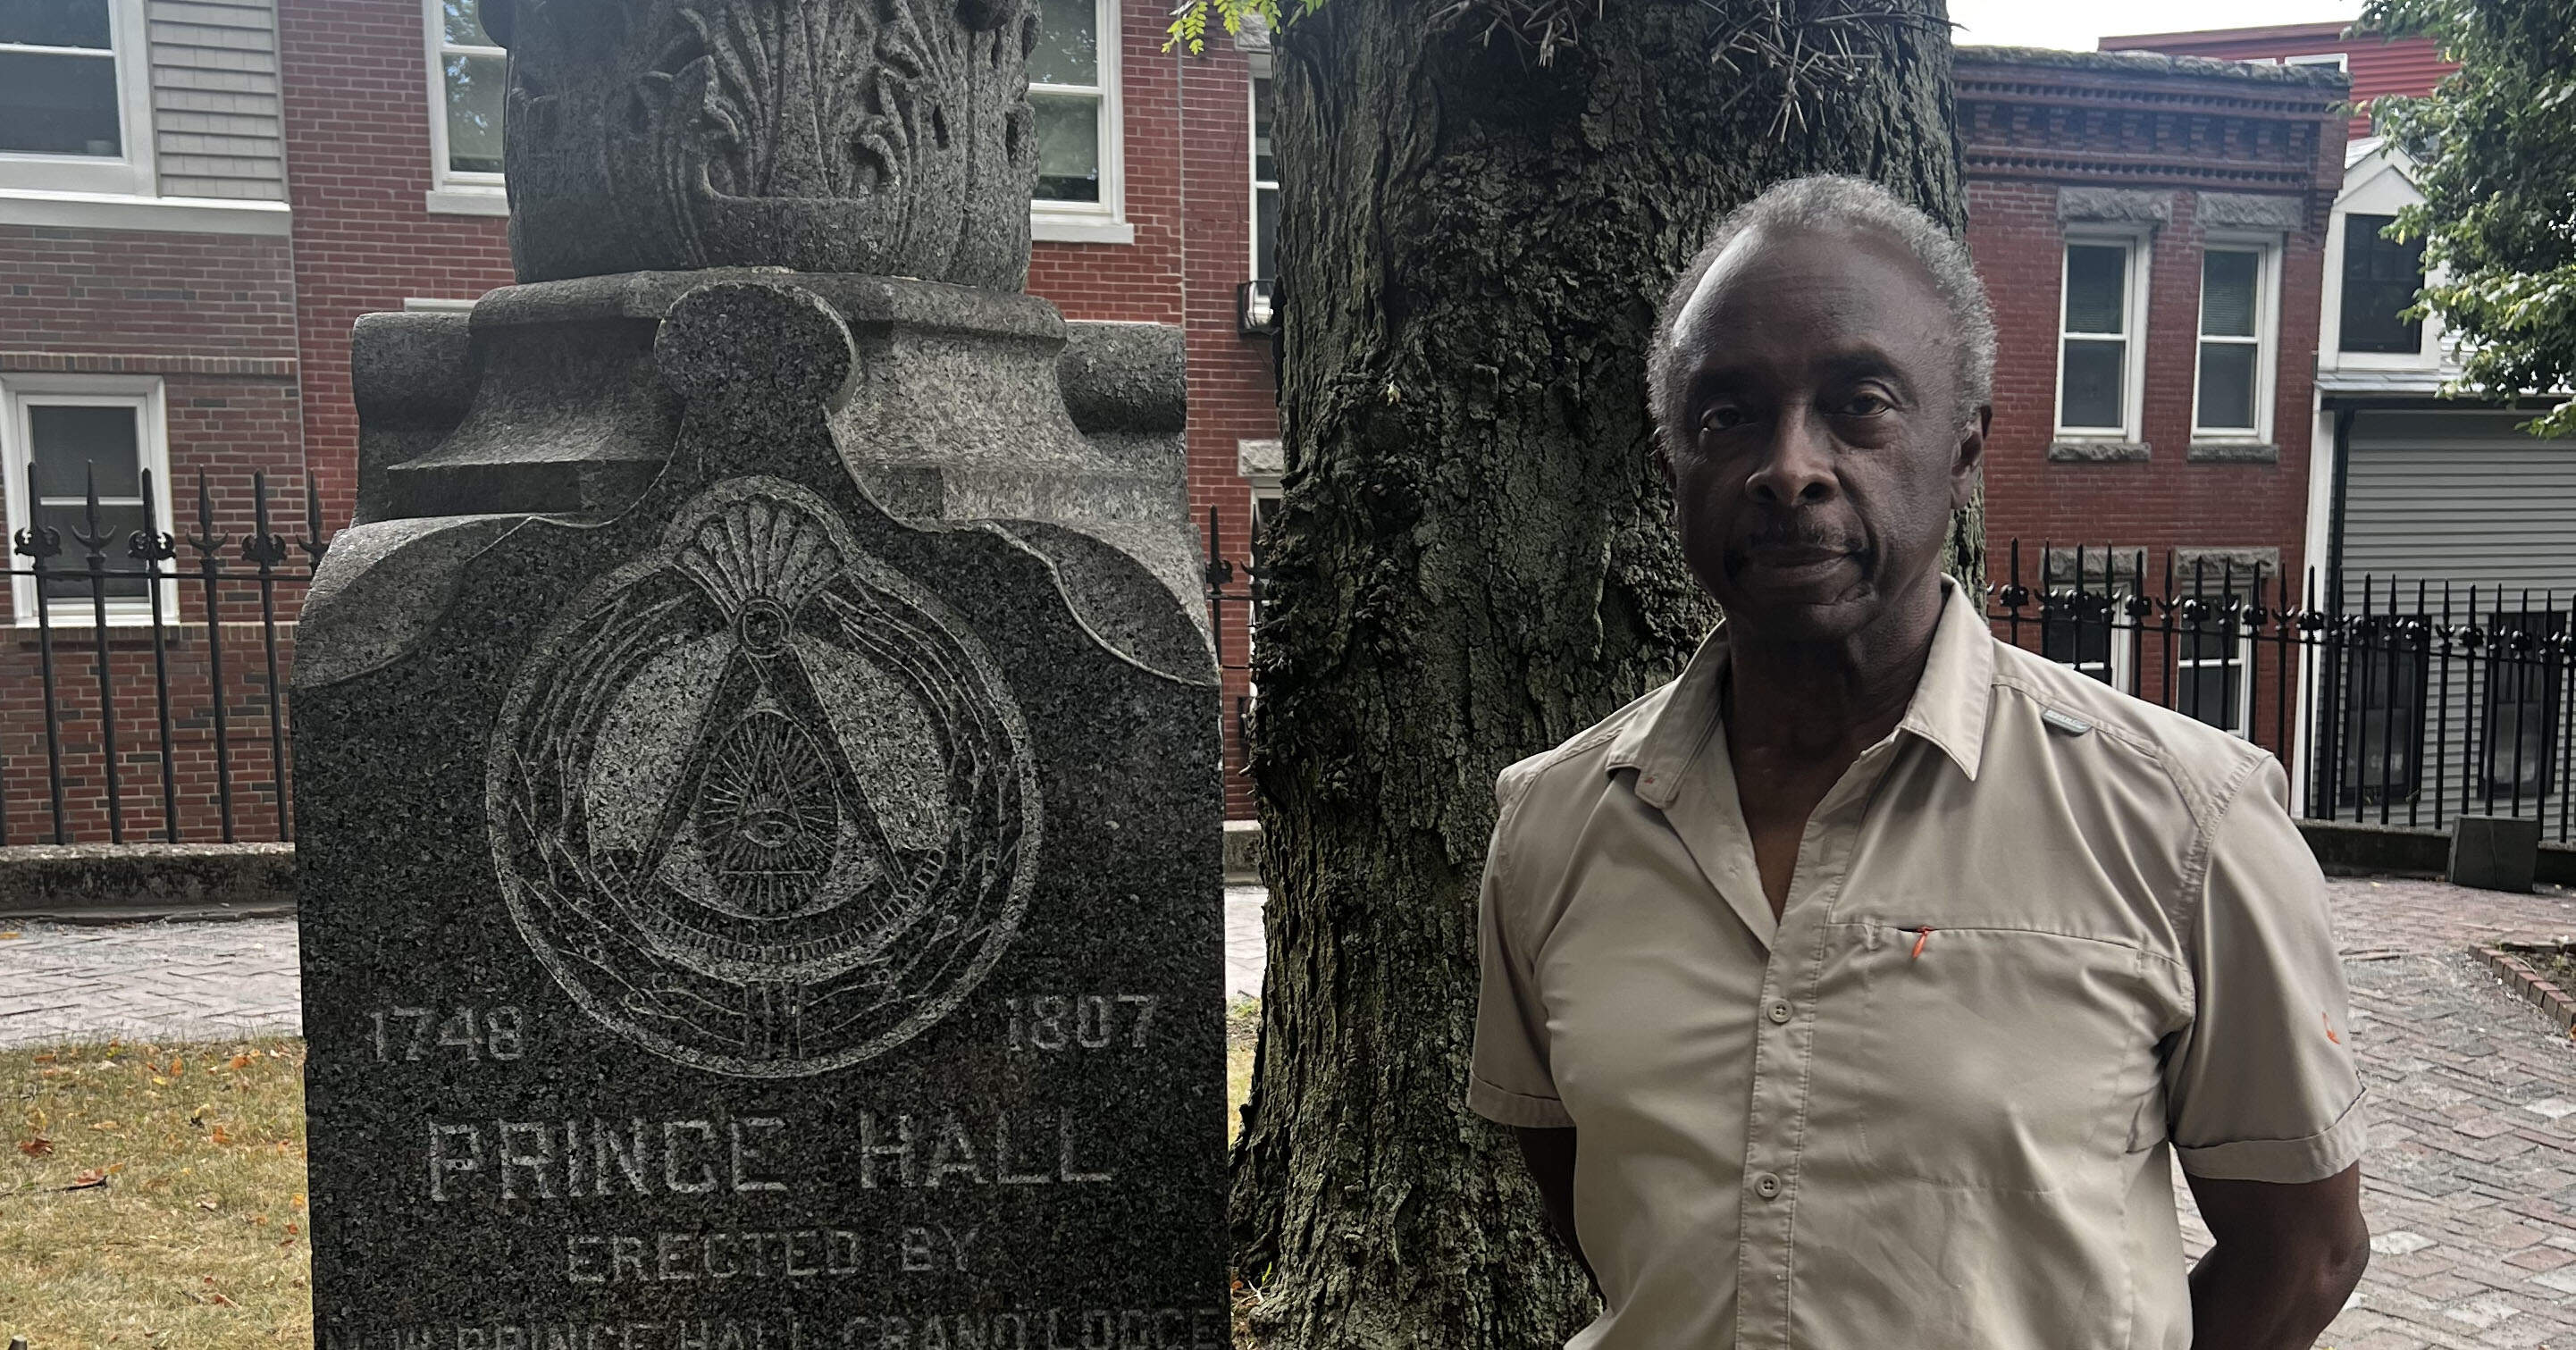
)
(2101, 354)
(1265, 179)
(2211, 661)
(2093, 638)
(2239, 308)
(65, 429)
(75, 102)
(2084, 617)
(468, 88)
(2331, 60)
(1073, 89)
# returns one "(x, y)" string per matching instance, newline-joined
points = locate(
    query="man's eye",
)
(1865, 404)
(1722, 418)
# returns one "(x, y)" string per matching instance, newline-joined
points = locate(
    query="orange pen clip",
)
(1921, 936)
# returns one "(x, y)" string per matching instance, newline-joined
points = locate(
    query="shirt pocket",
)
(1984, 1058)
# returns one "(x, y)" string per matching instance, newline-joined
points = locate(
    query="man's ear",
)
(1664, 462)
(1968, 465)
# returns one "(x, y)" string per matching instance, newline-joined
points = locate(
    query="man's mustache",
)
(1802, 537)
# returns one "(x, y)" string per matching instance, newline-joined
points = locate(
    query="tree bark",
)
(1472, 563)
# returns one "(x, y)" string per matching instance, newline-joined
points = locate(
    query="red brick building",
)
(2151, 229)
(198, 199)
(2380, 67)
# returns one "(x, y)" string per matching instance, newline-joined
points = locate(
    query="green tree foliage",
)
(2496, 144)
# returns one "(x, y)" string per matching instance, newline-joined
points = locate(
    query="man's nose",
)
(1797, 467)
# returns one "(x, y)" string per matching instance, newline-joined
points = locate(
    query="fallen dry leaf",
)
(238, 1062)
(4, 937)
(105, 1125)
(46, 1058)
(220, 1137)
(299, 1200)
(207, 1203)
(36, 1147)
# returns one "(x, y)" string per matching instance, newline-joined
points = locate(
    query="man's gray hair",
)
(1835, 202)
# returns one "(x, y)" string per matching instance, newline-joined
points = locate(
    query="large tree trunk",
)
(1473, 562)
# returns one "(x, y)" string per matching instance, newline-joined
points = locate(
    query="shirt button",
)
(1767, 1186)
(1778, 1011)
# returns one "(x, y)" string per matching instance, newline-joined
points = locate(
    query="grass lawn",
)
(153, 1195)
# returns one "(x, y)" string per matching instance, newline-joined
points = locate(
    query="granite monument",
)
(757, 812)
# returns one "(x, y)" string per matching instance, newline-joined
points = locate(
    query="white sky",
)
(2078, 25)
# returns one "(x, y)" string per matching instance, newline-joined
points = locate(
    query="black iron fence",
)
(144, 694)
(158, 682)
(2392, 701)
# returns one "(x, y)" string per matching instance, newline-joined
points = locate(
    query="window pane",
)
(120, 523)
(2209, 694)
(2228, 284)
(58, 105)
(475, 94)
(1068, 50)
(1264, 167)
(2227, 385)
(2522, 708)
(2093, 374)
(2210, 639)
(2380, 278)
(1265, 233)
(55, 23)
(463, 24)
(68, 440)
(2079, 640)
(1068, 147)
(2097, 288)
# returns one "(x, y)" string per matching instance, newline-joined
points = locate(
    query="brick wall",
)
(358, 170)
(2029, 131)
(212, 318)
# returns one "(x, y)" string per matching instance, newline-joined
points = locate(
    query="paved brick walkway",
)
(2471, 1179)
(2470, 1184)
(165, 981)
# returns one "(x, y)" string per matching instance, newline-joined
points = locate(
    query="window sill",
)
(113, 211)
(462, 201)
(2233, 452)
(1080, 230)
(2080, 450)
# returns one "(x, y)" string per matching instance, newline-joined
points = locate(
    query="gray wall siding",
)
(2459, 497)
(216, 121)
(2462, 497)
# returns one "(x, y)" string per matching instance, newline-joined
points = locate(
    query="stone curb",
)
(127, 883)
(2505, 959)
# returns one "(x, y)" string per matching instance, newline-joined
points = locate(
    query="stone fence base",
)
(112, 883)
(2346, 849)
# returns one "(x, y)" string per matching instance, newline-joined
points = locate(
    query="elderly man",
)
(1854, 990)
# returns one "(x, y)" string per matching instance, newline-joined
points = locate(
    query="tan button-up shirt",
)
(2037, 937)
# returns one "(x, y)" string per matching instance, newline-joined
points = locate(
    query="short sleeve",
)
(2263, 1086)
(1508, 1079)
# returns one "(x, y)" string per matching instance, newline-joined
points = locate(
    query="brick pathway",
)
(2470, 1185)
(2471, 1178)
(164, 981)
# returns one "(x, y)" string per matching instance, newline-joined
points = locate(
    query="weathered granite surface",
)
(744, 915)
(967, 405)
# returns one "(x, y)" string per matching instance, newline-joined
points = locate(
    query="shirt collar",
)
(1948, 709)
